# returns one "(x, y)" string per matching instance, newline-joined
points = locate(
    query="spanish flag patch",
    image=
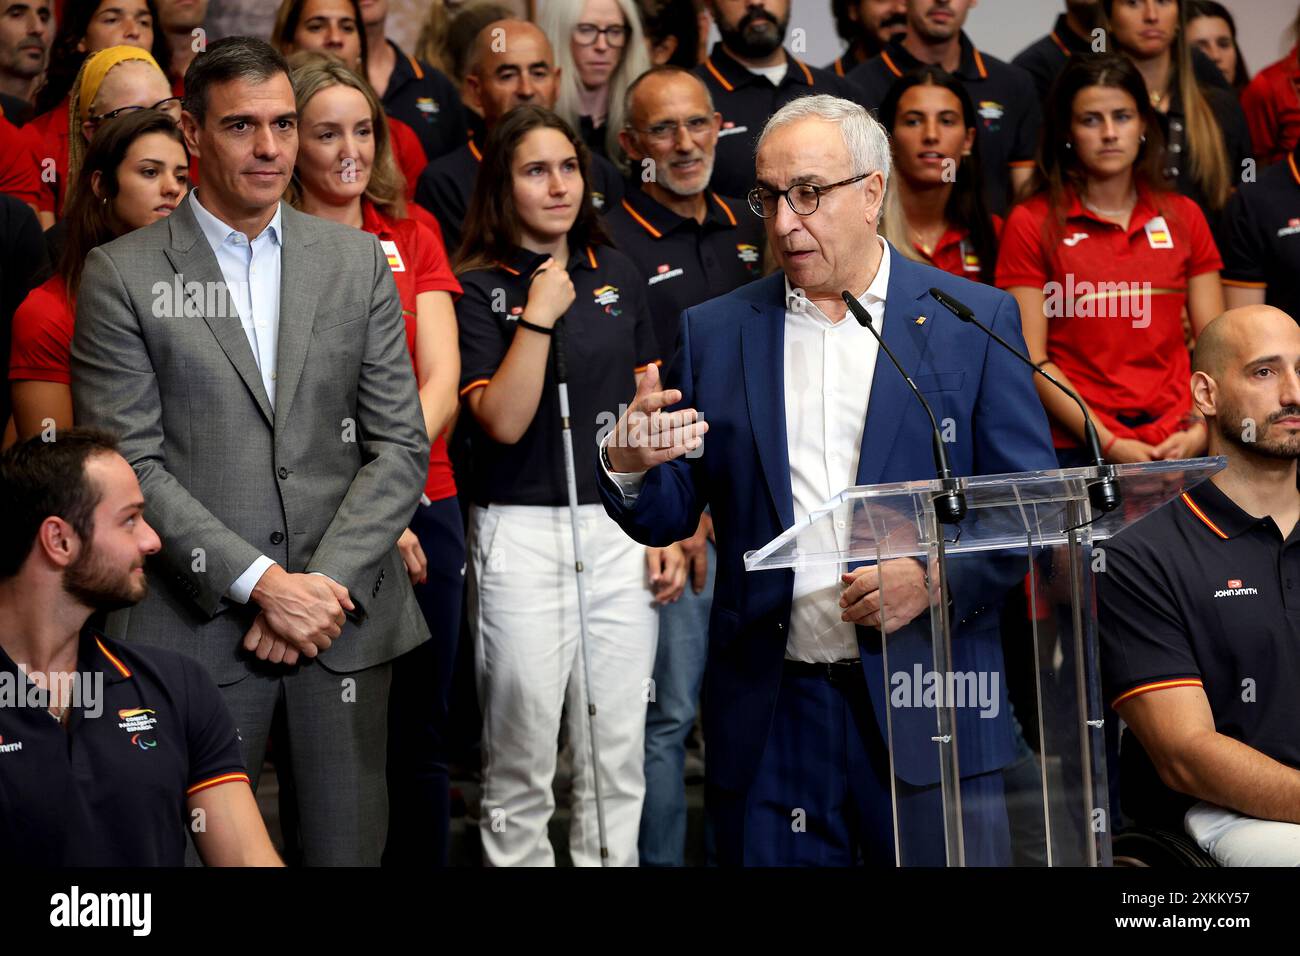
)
(394, 257)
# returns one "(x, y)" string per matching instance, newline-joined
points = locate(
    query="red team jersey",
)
(42, 335)
(419, 264)
(1114, 302)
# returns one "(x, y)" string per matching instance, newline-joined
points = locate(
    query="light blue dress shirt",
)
(251, 269)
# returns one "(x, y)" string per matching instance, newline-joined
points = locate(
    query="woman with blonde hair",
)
(111, 83)
(345, 172)
(599, 50)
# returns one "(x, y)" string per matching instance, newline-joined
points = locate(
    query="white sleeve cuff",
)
(242, 588)
(628, 482)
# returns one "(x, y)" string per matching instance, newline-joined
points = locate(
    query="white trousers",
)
(528, 660)
(1237, 840)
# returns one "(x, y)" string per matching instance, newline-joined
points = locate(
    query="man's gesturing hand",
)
(306, 610)
(646, 435)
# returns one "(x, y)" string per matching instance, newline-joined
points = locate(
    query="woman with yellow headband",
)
(86, 27)
(111, 83)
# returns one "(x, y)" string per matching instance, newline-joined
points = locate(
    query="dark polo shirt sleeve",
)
(1262, 237)
(210, 732)
(1144, 635)
(484, 336)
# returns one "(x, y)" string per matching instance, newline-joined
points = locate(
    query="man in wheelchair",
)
(1199, 613)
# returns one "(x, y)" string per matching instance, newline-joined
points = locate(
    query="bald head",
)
(1241, 336)
(512, 64)
(1246, 382)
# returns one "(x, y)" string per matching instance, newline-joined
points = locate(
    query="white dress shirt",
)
(829, 367)
(251, 269)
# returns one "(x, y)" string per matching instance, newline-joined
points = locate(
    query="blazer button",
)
(283, 472)
(276, 537)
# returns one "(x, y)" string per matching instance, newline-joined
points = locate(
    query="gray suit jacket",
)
(326, 482)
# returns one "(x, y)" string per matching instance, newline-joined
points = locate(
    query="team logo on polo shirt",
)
(991, 112)
(598, 199)
(1235, 588)
(728, 127)
(607, 295)
(139, 722)
(663, 273)
(394, 257)
(1291, 228)
(1158, 234)
(970, 262)
(428, 106)
(1075, 239)
(748, 254)
(10, 747)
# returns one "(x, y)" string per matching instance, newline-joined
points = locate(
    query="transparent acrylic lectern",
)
(994, 708)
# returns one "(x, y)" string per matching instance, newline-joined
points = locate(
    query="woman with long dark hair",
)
(1206, 141)
(935, 210)
(1102, 259)
(542, 285)
(135, 173)
(1212, 30)
(345, 172)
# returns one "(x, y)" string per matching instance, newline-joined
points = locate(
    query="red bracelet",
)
(1106, 447)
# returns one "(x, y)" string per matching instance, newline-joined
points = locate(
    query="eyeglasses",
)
(584, 34)
(803, 198)
(696, 126)
(171, 106)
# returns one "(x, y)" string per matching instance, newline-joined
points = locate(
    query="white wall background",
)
(1005, 27)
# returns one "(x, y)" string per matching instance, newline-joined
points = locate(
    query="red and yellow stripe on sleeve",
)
(218, 781)
(1156, 685)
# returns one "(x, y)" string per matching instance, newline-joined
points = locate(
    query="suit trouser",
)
(524, 613)
(821, 796)
(336, 749)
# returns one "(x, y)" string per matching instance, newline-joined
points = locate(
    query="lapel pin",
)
(920, 320)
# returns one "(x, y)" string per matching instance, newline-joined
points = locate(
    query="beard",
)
(758, 34)
(666, 178)
(90, 580)
(1231, 424)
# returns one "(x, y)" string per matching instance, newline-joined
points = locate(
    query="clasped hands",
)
(301, 615)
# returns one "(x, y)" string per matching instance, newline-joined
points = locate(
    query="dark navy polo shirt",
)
(1007, 110)
(427, 101)
(1044, 59)
(447, 183)
(1261, 249)
(111, 789)
(684, 262)
(608, 340)
(1201, 594)
(746, 101)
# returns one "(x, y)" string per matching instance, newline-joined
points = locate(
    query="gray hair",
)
(864, 137)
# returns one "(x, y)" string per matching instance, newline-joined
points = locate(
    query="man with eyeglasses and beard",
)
(867, 26)
(691, 244)
(108, 751)
(750, 76)
(1199, 613)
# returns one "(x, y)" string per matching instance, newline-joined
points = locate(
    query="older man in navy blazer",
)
(798, 404)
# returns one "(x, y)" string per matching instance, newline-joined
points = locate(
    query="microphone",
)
(1103, 494)
(949, 504)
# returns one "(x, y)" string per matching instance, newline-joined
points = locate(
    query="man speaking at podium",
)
(798, 405)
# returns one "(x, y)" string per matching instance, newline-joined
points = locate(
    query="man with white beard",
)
(692, 245)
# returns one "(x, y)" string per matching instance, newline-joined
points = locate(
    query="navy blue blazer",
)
(730, 365)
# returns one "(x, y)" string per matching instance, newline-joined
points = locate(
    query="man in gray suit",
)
(253, 361)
